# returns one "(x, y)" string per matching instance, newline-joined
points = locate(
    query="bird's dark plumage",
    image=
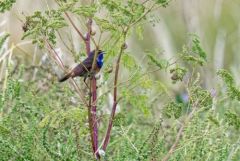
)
(83, 69)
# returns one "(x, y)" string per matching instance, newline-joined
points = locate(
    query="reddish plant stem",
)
(115, 101)
(90, 120)
(92, 107)
(94, 116)
(110, 124)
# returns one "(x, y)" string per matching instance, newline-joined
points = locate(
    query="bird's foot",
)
(91, 75)
(90, 94)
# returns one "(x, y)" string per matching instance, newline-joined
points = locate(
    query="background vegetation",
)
(174, 99)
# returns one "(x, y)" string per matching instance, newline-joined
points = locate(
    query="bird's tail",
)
(65, 77)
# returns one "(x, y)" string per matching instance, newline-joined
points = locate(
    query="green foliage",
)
(192, 59)
(162, 63)
(226, 76)
(173, 109)
(232, 91)
(164, 3)
(24, 130)
(87, 11)
(41, 125)
(120, 120)
(149, 146)
(213, 120)
(200, 97)
(203, 140)
(6, 5)
(129, 61)
(105, 25)
(139, 101)
(196, 48)
(121, 12)
(178, 73)
(41, 27)
(57, 118)
(194, 53)
(232, 119)
(3, 40)
(139, 32)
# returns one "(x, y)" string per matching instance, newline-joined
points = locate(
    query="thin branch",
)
(143, 15)
(129, 140)
(75, 27)
(60, 63)
(90, 121)
(179, 135)
(64, 43)
(144, 2)
(93, 87)
(115, 101)
(15, 46)
(130, 78)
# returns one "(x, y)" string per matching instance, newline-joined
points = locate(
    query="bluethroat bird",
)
(84, 69)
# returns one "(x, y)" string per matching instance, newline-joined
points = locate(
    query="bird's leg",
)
(84, 80)
(89, 89)
(91, 75)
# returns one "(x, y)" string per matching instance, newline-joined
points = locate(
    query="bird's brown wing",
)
(81, 69)
(84, 67)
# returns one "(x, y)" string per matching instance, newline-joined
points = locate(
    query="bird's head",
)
(100, 58)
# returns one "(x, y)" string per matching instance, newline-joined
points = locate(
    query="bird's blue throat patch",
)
(100, 60)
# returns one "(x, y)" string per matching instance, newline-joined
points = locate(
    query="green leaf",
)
(161, 63)
(137, 100)
(226, 76)
(128, 61)
(232, 90)
(3, 39)
(194, 53)
(178, 73)
(140, 101)
(87, 11)
(173, 109)
(57, 117)
(196, 47)
(43, 26)
(164, 3)
(4, 130)
(232, 119)
(6, 5)
(193, 59)
(146, 82)
(105, 25)
(139, 31)
(200, 97)
(121, 13)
